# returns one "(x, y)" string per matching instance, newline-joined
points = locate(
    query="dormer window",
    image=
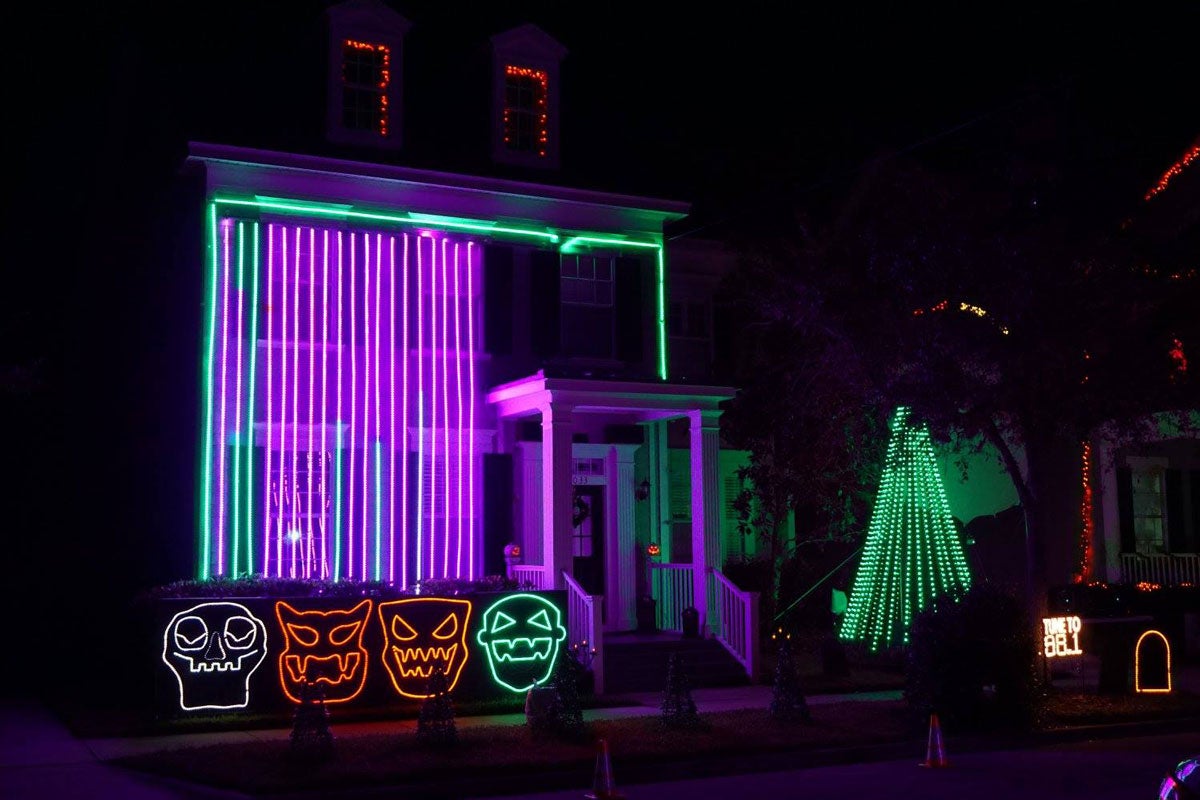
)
(526, 110)
(525, 97)
(366, 75)
(365, 104)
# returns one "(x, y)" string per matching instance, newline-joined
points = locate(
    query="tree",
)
(435, 723)
(999, 307)
(787, 698)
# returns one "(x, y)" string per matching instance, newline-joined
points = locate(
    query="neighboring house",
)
(404, 370)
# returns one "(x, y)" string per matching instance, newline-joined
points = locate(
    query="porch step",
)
(634, 663)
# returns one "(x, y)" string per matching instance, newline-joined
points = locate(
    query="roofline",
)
(669, 210)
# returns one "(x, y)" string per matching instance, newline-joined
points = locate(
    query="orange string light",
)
(1191, 155)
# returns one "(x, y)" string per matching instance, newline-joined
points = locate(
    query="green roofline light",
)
(407, 218)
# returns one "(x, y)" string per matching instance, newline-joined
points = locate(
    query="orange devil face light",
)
(324, 647)
(421, 635)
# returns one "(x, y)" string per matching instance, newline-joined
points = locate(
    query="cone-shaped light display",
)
(913, 552)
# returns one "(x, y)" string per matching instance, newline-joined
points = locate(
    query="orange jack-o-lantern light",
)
(654, 551)
(421, 635)
(323, 647)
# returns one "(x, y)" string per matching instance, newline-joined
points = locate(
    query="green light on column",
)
(205, 499)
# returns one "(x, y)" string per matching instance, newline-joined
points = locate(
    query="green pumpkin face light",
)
(521, 636)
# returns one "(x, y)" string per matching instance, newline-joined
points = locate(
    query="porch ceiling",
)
(645, 401)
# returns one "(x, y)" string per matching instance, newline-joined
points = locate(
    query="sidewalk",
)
(39, 758)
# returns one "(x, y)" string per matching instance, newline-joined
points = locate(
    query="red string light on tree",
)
(385, 77)
(1191, 155)
(1086, 518)
(1179, 357)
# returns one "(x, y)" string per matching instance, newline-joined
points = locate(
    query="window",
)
(299, 508)
(366, 76)
(586, 284)
(526, 110)
(1148, 509)
(689, 319)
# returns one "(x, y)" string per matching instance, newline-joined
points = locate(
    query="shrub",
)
(974, 662)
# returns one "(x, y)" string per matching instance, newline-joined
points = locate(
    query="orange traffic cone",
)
(603, 786)
(935, 751)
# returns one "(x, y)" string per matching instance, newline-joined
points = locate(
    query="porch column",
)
(556, 492)
(706, 510)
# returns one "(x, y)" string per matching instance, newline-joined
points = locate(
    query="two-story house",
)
(405, 371)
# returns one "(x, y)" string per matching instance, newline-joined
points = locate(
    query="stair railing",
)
(585, 627)
(672, 587)
(734, 619)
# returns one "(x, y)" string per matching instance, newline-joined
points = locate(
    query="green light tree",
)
(912, 553)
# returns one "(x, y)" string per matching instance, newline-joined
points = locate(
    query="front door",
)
(587, 537)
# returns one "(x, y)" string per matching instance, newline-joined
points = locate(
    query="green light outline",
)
(555, 645)
(330, 210)
(660, 278)
(237, 450)
(250, 487)
(205, 509)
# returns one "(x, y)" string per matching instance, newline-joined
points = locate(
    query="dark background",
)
(742, 112)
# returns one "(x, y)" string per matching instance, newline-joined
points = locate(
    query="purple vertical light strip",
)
(445, 417)
(420, 414)
(401, 446)
(324, 402)
(377, 573)
(353, 413)
(337, 421)
(392, 410)
(312, 372)
(470, 413)
(269, 378)
(294, 484)
(223, 441)
(433, 404)
(366, 420)
(458, 426)
(283, 477)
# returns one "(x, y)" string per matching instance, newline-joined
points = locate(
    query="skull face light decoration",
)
(213, 649)
(324, 647)
(521, 635)
(418, 636)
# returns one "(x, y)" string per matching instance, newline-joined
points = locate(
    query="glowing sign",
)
(213, 649)
(323, 647)
(1147, 649)
(521, 636)
(421, 635)
(1060, 636)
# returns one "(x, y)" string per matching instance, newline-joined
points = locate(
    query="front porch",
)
(548, 472)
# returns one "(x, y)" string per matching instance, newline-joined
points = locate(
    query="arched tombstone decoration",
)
(1152, 663)
(213, 649)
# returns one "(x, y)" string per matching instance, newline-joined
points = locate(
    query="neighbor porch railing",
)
(585, 627)
(1168, 569)
(735, 619)
(672, 587)
(530, 576)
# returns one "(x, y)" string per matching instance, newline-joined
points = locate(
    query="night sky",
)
(740, 113)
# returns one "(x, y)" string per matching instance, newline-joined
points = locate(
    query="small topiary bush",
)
(973, 662)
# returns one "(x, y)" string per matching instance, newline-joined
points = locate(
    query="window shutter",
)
(628, 301)
(679, 468)
(498, 299)
(1177, 538)
(1125, 509)
(497, 510)
(544, 304)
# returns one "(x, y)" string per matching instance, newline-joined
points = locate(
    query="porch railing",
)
(532, 576)
(585, 627)
(1168, 569)
(672, 586)
(735, 623)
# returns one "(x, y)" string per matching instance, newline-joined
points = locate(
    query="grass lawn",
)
(395, 758)
(1065, 709)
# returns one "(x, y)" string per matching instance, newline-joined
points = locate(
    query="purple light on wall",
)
(324, 404)
(270, 311)
(317, 522)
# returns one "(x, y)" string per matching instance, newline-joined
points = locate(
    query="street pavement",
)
(1112, 769)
